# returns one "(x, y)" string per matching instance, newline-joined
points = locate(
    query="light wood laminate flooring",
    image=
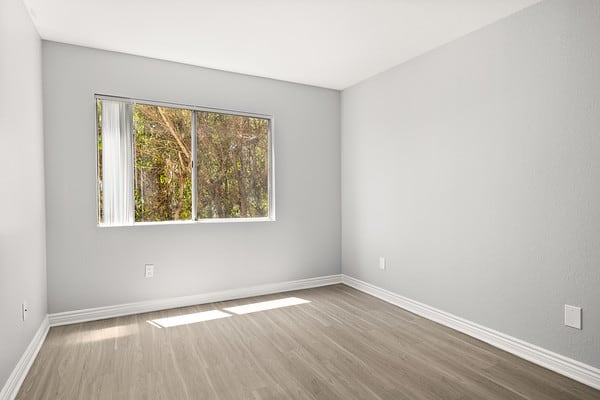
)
(339, 344)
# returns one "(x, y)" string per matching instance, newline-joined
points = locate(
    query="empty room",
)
(227, 199)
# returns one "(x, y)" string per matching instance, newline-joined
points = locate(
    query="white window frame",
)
(193, 109)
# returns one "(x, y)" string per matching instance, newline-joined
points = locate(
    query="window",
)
(165, 163)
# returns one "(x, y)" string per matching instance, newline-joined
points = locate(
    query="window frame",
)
(193, 109)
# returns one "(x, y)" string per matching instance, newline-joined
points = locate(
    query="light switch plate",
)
(573, 316)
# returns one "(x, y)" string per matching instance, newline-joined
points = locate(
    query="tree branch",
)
(174, 133)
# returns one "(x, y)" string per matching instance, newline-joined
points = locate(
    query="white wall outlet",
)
(149, 272)
(381, 262)
(24, 310)
(573, 316)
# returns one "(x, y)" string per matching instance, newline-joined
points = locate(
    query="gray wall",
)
(90, 266)
(475, 169)
(22, 245)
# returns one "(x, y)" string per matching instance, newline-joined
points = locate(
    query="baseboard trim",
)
(93, 314)
(573, 369)
(16, 378)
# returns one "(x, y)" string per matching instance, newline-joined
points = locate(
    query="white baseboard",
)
(16, 378)
(92, 314)
(563, 365)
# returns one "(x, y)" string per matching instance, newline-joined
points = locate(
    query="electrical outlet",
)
(24, 310)
(573, 316)
(149, 272)
(381, 262)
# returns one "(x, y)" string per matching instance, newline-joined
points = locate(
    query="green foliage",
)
(163, 179)
(232, 165)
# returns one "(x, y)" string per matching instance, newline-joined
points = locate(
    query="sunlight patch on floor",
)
(188, 319)
(266, 305)
(203, 316)
(98, 335)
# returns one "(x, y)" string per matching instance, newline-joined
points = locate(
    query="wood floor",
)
(342, 344)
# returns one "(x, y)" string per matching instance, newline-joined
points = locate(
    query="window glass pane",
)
(233, 166)
(163, 163)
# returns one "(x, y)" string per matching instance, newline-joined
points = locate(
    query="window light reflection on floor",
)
(188, 319)
(266, 305)
(218, 314)
(109, 333)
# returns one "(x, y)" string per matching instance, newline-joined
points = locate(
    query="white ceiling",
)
(328, 43)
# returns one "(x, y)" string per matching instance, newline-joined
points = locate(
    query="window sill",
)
(191, 222)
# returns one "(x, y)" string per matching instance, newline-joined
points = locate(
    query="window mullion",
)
(132, 164)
